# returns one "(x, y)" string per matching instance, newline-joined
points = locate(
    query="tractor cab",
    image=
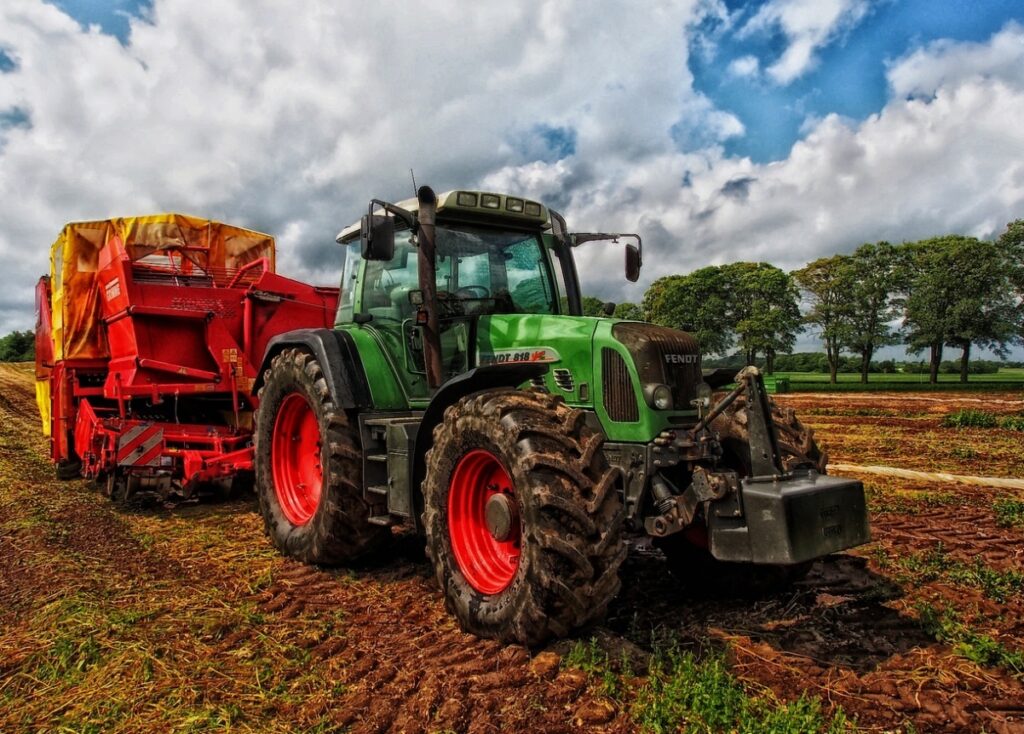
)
(499, 263)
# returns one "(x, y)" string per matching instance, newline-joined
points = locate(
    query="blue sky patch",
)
(561, 141)
(548, 143)
(111, 16)
(6, 62)
(14, 117)
(848, 77)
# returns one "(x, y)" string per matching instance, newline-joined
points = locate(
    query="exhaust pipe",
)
(427, 268)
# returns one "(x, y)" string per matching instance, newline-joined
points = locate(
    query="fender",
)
(477, 379)
(337, 355)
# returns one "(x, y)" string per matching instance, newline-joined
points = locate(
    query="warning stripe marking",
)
(129, 437)
(140, 446)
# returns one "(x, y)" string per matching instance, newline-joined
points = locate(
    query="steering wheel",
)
(473, 291)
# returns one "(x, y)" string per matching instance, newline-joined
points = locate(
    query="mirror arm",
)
(398, 212)
(579, 239)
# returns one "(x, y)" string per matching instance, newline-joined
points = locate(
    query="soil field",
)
(184, 619)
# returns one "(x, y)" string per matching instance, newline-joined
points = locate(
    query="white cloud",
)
(944, 62)
(951, 162)
(808, 25)
(744, 66)
(289, 118)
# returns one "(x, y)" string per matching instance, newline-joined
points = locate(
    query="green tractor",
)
(463, 394)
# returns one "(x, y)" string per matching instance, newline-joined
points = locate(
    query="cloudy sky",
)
(720, 130)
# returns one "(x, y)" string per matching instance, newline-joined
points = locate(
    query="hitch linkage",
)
(679, 508)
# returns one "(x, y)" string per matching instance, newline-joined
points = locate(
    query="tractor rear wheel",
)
(309, 467)
(523, 516)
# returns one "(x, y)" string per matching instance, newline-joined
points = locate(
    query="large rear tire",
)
(523, 516)
(308, 466)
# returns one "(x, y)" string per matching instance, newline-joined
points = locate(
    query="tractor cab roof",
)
(475, 206)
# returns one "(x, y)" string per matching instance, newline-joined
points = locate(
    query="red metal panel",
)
(184, 335)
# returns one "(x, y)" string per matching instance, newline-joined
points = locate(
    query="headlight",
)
(659, 396)
(704, 393)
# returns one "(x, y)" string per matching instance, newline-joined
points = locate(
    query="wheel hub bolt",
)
(500, 515)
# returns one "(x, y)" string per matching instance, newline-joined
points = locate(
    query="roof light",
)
(514, 205)
(465, 198)
(490, 201)
(532, 209)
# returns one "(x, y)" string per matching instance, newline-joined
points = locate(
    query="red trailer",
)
(149, 334)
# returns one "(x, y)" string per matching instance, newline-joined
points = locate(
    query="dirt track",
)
(185, 619)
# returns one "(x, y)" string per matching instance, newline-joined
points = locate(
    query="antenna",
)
(414, 189)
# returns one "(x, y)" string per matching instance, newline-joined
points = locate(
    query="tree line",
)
(18, 346)
(950, 292)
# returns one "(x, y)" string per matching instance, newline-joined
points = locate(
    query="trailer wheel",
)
(523, 516)
(114, 486)
(68, 469)
(308, 467)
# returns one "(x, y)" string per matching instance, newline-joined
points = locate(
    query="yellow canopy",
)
(211, 246)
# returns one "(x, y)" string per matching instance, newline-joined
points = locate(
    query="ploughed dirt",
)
(184, 618)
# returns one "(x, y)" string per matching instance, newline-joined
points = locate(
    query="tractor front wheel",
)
(523, 516)
(309, 468)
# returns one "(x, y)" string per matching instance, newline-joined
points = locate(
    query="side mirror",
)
(632, 263)
(377, 236)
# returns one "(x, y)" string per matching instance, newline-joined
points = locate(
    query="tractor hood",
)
(605, 364)
(564, 342)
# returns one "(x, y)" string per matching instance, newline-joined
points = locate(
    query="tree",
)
(987, 312)
(868, 306)
(629, 312)
(592, 306)
(826, 283)
(958, 292)
(698, 303)
(18, 346)
(1012, 240)
(1011, 246)
(926, 293)
(765, 311)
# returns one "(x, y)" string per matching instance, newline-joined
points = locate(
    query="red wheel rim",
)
(295, 458)
(487, 562)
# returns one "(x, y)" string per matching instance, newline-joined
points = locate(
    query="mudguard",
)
(337, 356)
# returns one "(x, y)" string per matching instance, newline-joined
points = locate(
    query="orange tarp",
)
(74, 262)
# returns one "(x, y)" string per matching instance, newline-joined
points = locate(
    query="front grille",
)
(665, 356)
(619, 398)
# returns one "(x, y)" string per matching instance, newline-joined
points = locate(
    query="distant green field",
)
(1005, 379)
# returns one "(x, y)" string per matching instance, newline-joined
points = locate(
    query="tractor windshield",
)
(479, 271)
